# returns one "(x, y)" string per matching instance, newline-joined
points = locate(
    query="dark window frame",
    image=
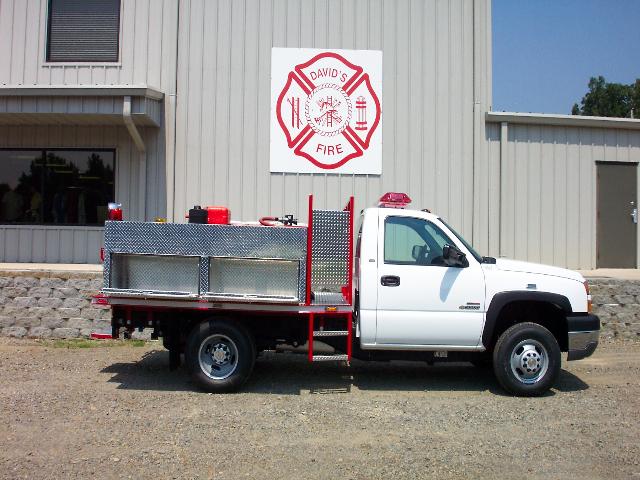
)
(43, 153)
(47, 53)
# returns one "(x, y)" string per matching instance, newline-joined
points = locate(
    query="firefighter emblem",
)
(328, 110)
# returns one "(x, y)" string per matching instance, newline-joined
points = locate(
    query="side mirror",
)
(453, 257)
(418, 252)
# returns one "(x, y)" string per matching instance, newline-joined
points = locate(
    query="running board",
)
(329, 358)
(330, 333)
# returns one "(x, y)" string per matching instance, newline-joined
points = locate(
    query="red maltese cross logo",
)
(328, 110)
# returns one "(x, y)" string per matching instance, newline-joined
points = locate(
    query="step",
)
(330, 333)
(329, 358)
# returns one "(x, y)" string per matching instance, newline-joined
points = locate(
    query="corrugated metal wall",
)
(148, 56)
(147, 47)
(218, 118)
(223, 111)
(544, 207)
(54, 243)
(486, 226)
(148, 50)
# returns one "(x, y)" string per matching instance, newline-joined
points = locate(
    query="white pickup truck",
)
(413, 289)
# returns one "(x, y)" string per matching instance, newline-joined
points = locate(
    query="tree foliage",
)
(607, 99)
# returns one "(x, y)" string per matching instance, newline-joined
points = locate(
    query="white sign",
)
(326, 111)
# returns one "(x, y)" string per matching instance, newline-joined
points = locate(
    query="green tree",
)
(605, 99)
(635, 99)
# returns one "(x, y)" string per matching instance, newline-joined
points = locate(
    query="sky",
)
(545, 51)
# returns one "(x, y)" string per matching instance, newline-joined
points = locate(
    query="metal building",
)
(172, 101)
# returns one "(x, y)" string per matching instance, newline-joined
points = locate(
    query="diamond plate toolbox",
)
(173, 259)
(330, 251)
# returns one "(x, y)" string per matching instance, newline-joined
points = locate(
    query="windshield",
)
(468, 246)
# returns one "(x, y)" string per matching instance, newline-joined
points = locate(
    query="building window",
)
(83, 30)
(63, 187)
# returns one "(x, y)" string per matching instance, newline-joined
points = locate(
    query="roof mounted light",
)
(394, 200)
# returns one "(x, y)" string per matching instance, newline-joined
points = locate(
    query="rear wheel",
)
(526, 359)
(220, 355)
(173, 345)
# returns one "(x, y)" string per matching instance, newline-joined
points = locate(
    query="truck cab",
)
(421, 287)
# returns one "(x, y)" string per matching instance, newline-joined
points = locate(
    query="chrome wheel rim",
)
(218, 356)
(529, 361)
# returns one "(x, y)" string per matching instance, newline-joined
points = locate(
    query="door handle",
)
(634, 213)
(390, 281)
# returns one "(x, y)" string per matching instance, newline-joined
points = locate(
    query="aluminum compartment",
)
(254, 279)
(163, 273)
(168, 274)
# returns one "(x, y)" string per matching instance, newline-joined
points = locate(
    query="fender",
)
(500, 300)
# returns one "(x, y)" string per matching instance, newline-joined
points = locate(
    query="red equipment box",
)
(218, 215)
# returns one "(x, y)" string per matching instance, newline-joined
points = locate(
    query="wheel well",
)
(546, 314)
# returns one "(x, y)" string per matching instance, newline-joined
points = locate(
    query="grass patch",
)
(88, 343)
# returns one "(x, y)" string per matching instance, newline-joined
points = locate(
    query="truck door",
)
(421, 301)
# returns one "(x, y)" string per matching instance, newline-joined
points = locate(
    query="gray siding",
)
(215, 132)
(147, 47)
(53, 243)
(73, 110)
(545, 202)
(148, 50)
(223, 111)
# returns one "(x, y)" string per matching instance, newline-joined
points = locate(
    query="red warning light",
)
(394, 200)
(114, 211)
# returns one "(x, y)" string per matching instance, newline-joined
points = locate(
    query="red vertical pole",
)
(350, 261)
(309, 247)
(311, 321)
(349, 328)
(308, 280)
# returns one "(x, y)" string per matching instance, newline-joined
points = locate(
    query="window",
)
(68, 187)
(475, 254)
(83, 30)
(413, 241)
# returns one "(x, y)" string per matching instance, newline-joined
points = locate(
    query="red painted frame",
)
(350, 277)
(309, 246)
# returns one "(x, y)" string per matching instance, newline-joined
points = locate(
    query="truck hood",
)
(526, 267)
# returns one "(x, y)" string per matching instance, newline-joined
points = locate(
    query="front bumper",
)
(583, 335)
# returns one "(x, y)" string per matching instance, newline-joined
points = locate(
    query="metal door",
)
(617, 215)
(422, 302)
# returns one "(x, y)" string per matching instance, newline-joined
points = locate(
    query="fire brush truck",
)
(411, 288)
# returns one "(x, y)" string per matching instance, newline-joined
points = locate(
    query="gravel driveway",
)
(120, 413)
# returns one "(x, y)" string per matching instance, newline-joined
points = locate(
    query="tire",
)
(526, 360)
(220, 355)
(172, 343)
(482, 362)
(168, 344)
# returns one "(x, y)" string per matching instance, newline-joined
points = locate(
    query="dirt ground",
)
(120, 413)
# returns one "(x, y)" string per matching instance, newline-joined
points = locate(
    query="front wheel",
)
(220, 355)
(526, 360)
